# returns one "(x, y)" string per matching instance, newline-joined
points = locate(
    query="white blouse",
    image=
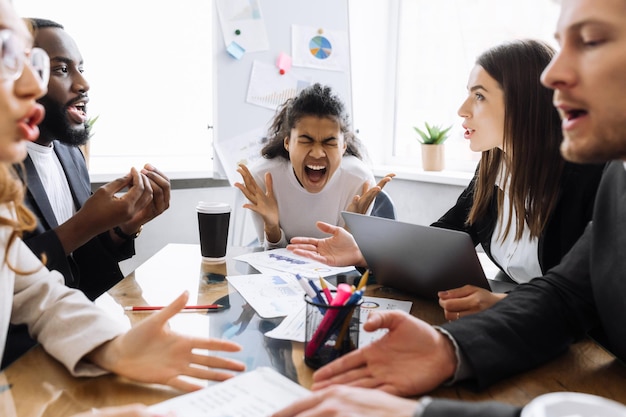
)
(519, 259)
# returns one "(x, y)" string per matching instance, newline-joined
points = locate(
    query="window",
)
(434, 45)
(149, 68)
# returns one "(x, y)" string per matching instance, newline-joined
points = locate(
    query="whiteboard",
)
(239, 124)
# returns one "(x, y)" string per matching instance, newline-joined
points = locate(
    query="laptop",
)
(420, 260)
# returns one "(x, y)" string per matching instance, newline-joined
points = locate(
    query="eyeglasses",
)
(13, 59)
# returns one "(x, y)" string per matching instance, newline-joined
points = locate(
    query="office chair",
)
(383, 206)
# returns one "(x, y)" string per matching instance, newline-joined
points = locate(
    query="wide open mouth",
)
(315, 173)
(77, 112)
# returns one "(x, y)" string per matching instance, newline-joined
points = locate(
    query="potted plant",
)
(432, 140)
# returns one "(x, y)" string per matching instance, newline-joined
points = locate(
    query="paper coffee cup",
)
(213, 221)
(573, 404)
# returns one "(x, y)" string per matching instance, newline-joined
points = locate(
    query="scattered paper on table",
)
(292, 327)
(257, 393)
(274, 295)
(371, 304)
(286, 261)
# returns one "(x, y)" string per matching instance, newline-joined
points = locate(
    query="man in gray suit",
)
(83, 236)
(538, 320)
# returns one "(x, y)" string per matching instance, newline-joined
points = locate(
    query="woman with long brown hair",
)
(526, 205)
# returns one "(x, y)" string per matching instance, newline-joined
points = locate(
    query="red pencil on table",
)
(154, 308)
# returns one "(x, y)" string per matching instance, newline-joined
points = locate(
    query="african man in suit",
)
(80, 234)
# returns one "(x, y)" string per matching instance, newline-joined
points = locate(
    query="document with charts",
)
(287, 261)
(270, 295)
(258, 393)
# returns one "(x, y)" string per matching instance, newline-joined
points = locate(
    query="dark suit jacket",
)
(567, 222)
(451, 408)
(93, 268)
(539, 320)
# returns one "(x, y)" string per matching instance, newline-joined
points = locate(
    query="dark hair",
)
(315, 100)
(532, 138)
(38, 23)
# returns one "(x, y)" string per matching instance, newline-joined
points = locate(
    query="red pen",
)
(154, 308)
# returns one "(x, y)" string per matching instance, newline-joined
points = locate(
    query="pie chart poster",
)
(321, 48)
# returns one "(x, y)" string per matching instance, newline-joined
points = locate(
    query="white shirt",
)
(299, 209)
(519, 259)
(53, 179)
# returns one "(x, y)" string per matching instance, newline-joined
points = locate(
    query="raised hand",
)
(340, 249)
(105, 210)
(160, 190)
(466, 300)
(360, 203)
(150, 352)
(410, 359)
(262, 202)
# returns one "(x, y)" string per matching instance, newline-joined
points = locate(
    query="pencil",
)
(154, 308)
(363, 280)
(327, 293)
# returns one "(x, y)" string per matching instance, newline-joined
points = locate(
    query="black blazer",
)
(448, 408)
(540, 319)
(92, 268)
(567, 222)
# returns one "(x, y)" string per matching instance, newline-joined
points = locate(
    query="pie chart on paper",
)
(320, 47)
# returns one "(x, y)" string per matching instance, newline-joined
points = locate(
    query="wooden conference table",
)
(41, 387)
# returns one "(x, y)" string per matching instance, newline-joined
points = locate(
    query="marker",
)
(306, 287)
(322, 332)
(154, 308)
(319, 298)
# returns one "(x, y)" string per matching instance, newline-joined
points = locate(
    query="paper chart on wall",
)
(320, 48)
(242, 149)
(270, 89)
(242, 22)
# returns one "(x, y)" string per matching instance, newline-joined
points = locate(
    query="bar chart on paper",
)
(271, 94)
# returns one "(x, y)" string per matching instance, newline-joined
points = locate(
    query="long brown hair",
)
(532, 135)
(12, 194)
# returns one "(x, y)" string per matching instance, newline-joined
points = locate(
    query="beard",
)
(605, 143)
(55, 125)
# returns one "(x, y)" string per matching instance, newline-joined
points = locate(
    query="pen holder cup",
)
(331, 331)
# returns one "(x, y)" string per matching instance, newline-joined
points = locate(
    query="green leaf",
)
(434, 134)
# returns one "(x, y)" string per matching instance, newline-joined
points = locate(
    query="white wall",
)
(416, 202)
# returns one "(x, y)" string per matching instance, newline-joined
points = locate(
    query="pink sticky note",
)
(283, 62)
